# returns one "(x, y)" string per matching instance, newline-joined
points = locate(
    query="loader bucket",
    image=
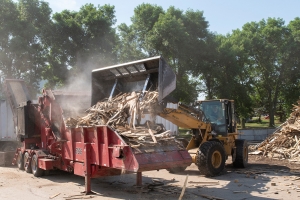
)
(132, 76)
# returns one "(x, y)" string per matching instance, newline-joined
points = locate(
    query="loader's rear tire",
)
(175, 170)
(27, 167)
(210, 158)
(36, 171)
(240, 157)
(20, 161)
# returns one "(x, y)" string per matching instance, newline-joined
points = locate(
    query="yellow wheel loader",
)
(214, 134)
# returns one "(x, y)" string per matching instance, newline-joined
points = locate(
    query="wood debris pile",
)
(284, 143)
(116, 111)
(122, 113)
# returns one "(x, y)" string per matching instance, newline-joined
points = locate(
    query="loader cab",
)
(220, 113)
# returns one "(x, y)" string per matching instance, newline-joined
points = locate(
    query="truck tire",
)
(240, 156)
(175, 170)
(210, 158)
(20, 161)
(36, 171)
(27, 165)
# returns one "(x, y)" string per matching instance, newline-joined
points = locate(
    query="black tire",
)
(20, 161)
(240, 156)
(175, 170)
(210, 158)
(36, 171)
(27, 166)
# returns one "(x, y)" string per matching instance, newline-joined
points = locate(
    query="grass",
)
(182, 133)
(264, 124)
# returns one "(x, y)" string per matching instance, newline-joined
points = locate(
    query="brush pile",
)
(115, 112)
(284, 143)
(122, 113)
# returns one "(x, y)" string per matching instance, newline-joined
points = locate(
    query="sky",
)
(222, 16)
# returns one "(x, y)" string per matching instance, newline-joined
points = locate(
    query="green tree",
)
(290, 93)
(22, 50)
(8, 18)
(268, 44)
(232, 80)
(79, 42)
(175, 34)
(129, 47)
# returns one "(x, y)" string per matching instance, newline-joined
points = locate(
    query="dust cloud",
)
(75, 96)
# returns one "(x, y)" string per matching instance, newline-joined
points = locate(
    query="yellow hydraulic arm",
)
(184, 117)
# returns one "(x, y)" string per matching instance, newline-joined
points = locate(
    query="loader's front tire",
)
(240, 156)
(175, 170)
(210, 158)
(27, 164)
(20, 161)
(36, 171)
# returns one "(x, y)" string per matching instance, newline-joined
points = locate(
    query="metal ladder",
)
(16, 156)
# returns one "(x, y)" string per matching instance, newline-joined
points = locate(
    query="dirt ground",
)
(263, 179)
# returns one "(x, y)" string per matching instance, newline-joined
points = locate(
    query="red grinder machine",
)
(93, 151)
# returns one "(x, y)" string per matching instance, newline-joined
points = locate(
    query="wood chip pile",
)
(284, 143)
(122, 112)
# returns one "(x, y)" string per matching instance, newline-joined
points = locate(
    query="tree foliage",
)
(22, 50)
(80, 41)
(257, 66)
(175, 34)
(269, 47)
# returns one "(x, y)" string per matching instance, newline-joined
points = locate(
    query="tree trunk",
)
(208, 88)
(259, 118)
(273, 105)
(271, 120)
(243, 124)
(271, 116)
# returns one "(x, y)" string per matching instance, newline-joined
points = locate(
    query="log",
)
(183, 188)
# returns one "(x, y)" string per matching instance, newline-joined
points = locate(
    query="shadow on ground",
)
(248, 183)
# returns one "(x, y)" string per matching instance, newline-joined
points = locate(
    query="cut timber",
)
(284, 143)
(54, 196)
(205, 182)
(183, 188)
(150, 131)
(154, 139)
